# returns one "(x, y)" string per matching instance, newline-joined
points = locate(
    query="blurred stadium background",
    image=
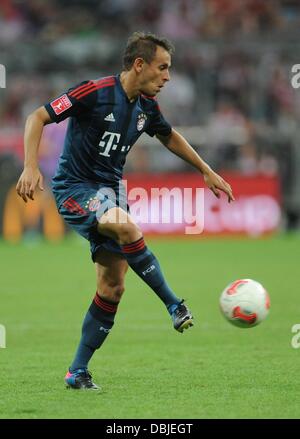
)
(231, 95)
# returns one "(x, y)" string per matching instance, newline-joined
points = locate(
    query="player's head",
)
(149, 56)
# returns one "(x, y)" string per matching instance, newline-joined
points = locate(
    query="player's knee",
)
(128, 233)
(112, 291)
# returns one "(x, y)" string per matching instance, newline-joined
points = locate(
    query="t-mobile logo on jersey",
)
(108, 144)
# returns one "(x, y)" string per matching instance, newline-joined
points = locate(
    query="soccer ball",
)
(245, 303)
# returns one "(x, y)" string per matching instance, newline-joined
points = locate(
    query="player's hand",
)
(216, 183)
(28, 181)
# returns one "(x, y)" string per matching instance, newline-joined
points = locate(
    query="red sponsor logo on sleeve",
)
(61, 104)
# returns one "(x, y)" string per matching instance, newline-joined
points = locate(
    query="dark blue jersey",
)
(102, 128)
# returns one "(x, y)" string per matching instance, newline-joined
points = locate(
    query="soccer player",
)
(107, 116)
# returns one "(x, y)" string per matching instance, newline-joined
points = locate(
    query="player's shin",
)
(96, 326)
(147, 267)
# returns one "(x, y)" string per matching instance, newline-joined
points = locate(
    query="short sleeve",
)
(158, 124)
(74, 102)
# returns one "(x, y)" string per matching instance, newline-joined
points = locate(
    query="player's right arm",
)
(75, 101)
(31, 176)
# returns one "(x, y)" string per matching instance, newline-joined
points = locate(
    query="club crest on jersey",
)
(141, 121)
(61, 104)
(93, 204)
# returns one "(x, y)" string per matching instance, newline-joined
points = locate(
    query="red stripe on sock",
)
(131, 244)
(135, 249)
(134, 246)
(102, 304)
(103, 307)
(108, 307)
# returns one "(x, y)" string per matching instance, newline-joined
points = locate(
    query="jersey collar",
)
(118, 79)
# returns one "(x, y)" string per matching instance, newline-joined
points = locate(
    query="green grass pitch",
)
(145, 368)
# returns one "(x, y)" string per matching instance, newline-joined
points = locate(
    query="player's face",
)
(154, 75)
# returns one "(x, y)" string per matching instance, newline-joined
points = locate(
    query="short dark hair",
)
(143, 45)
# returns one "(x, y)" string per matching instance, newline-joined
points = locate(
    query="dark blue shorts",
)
(83, 204)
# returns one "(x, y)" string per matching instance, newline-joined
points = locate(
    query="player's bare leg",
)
(118, 225)
(111, 269)
(110, 272)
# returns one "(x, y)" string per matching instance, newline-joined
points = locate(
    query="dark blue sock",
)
(96, 326)
(147, 267)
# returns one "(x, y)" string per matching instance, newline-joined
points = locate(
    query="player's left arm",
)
(177, 144)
